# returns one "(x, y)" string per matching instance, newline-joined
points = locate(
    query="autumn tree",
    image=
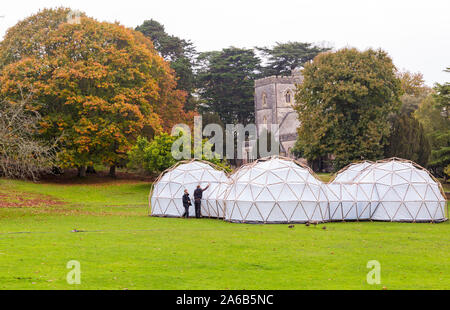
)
(414, 91)
(97, 83)
(344, 103)
(26, 38)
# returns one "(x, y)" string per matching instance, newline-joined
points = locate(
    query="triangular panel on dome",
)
(430, 195)
(413, 208)
(422, 213)
(380, 213)
(316, 213)
(336, 211)
(391, 208)
(210, 176)
(194, 176)
(403, 214)
(292, 192)
(299, 214)
(253, 214)
(348, 192)
(435, 210)
(416, 192)
(274, 176)
(277, 214)
(265, 195)
(156, 208)
(288, 208)
(365, 210)
(350, 211)
(310, 193)
(277, 189)
(402, 190)
(260, 178)
(162, 189)
(282, 173)
(242, 207)
(234, 212)
(265, 208)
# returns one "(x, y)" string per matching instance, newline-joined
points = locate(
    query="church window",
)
(264, 100)
(288, 97)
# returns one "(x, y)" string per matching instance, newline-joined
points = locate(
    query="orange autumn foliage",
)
(98, 84)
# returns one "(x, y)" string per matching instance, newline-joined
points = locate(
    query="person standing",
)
(186, 203)
(198, 194)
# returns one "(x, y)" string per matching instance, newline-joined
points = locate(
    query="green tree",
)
(226, 83)
(408, 140)
(344, 103)
(436, 116)
(156, 156)
(152, 157)
(178, 52)
(285, 57)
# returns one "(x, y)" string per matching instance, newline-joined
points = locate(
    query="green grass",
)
(325, 177)
(123, 248)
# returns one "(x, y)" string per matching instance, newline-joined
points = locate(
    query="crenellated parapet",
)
(275, 79)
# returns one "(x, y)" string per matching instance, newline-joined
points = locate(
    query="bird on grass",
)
(291, 226)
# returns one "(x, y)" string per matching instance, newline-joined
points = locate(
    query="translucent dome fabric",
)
(346, 200)
(275, 190)
(399, 190)
(348, 174)
(166, 196)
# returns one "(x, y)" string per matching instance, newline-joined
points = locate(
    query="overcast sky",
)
(416, 33)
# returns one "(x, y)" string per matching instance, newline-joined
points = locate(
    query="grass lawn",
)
(120, 247)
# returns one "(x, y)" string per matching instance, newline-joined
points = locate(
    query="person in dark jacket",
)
(198, 193)
(186, 203)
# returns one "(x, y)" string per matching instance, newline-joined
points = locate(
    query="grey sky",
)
(415, 33)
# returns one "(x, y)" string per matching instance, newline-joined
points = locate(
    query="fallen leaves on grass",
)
(13, 199)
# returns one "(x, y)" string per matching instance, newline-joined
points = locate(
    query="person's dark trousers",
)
(186, 212)
(198, 204)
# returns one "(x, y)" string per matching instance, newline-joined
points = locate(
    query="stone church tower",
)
(274, 99)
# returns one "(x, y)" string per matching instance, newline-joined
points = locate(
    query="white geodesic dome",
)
(348, 173)
(401, 190)
(346, 200)
(275, 190)
(213, 199)
(168, 189)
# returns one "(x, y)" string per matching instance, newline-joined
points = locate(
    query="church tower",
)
(274, 99)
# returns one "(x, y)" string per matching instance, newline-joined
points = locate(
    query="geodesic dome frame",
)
(346, 201)
(395, 195)
(348, 168)
(210, 206)
(286, 191)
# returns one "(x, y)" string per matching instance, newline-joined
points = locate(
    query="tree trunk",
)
(81, 171)
(112, 171)
(90, 170)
